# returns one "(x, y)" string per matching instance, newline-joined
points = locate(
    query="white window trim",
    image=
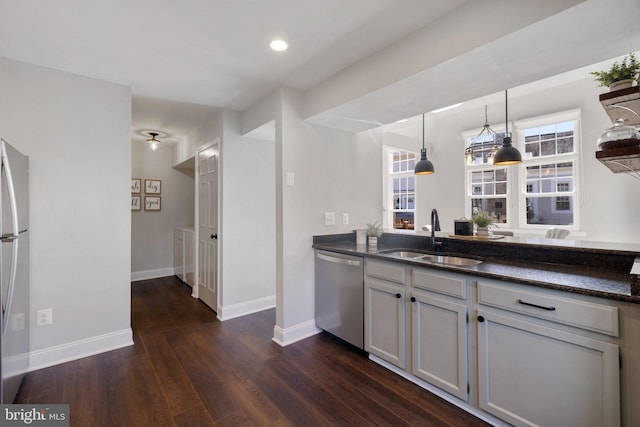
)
(511, 187)
(387, 186)
(519, 126)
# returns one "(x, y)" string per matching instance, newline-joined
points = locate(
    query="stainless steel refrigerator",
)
(14, 269)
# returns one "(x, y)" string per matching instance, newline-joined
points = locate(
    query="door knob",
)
(214, 236)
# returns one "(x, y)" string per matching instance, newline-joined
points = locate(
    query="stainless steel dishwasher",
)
(339, 292)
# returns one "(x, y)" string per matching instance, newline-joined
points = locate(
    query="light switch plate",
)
(329, 218)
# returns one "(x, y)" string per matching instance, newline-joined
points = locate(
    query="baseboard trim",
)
(152, 274)
(78, 349)
(226, 312)
(440, 393)
(284, 337)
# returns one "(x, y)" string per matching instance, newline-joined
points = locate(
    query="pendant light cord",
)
(506, 113)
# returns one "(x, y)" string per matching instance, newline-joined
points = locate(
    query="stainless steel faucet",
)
(435, 226)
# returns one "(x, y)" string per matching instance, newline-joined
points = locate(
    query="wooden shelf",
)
(619, 160)
(629, 98)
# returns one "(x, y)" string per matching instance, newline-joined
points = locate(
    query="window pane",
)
(546, 178)
(496, 207)
(403, 220)
(550, 210)
(402, 161)
(549, 140)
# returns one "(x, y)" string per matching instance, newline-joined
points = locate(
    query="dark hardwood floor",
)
(189, 369)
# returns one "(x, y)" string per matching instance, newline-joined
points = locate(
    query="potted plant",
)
(483, 220)
(620, 75)
(374, 231)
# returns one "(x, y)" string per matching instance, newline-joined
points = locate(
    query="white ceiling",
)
(185, 59)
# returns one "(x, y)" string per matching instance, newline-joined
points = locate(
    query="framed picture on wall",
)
(152, 186)
(135, 203)
(136, 185)
(152, 203)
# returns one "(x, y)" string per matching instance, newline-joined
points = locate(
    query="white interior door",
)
(208, 226)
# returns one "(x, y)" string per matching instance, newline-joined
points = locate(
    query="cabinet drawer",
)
(441, 283)
(386, 271)
(581, 314)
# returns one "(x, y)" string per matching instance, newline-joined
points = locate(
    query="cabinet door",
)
(384, 325)
(439, 339)
(534, 375)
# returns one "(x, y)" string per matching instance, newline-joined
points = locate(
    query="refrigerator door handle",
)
(12, 284)
(6, 168)
(15, 228)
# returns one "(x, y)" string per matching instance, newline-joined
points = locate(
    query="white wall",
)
(151, 231)
(610, 202)
(247, 234)
(334, 172)
(77, 133)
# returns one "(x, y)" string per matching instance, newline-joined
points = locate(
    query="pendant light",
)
(153, 141)
(424, 166)
(508, 154)
(486, 129)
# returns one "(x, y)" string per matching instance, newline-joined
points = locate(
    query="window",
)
(489, 192)
(550, 171)
(401, 188)
(487, 185)
(544, 187)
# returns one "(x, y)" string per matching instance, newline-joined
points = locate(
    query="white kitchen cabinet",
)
(184, 254)
(439, 342)
(385, 312)
(532, 373)
(439, 330)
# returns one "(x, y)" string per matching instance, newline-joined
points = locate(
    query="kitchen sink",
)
(432, 258)
(450, 260)
(403, 254)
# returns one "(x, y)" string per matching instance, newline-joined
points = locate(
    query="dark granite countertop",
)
(603, 270)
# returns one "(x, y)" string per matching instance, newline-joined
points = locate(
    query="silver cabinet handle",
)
(338, 260)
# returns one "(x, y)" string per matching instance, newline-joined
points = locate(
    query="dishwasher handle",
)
(338, 260)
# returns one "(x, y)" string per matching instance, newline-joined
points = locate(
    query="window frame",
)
(388, 178)
(469, 169)
(520, 126)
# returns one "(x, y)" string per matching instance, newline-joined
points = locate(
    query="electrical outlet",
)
(44, 317)
(329, 218)
(345, 218)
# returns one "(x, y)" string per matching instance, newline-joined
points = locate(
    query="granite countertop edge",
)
(594, 282)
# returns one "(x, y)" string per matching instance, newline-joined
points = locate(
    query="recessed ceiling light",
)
(278, 45)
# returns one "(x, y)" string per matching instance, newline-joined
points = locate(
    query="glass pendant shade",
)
(424, 166)
(153, 141)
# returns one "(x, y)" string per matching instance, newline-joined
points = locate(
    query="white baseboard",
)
(440, 393)
(78, 349)
(226, 312)
(152, 274)
(284, 337)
